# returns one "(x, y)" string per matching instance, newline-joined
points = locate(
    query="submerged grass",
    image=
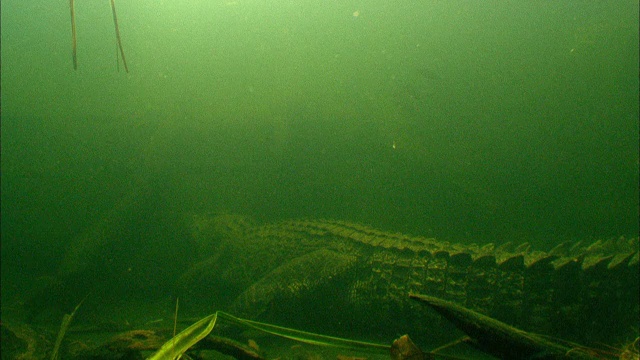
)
(179, 344)
(66, 320)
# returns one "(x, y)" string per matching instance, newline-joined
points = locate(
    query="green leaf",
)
(174, 348)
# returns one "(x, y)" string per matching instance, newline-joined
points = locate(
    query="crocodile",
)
(351, 279)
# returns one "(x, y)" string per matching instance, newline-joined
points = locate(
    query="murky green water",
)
(468, 121)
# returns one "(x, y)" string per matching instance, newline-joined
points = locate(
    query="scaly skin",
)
(350, 279)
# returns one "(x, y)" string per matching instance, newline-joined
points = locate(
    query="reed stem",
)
(115, 22)
(73, 34)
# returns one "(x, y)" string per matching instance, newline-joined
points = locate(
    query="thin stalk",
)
(66, 320)
(115, 22)
(117, 58)
(73, 34)
(175, 317)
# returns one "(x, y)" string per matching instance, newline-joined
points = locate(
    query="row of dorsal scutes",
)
(462, 254)
(374, 237)
(611, 253)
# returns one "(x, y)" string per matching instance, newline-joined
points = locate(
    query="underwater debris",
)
(404, 349)
(139, 340)
(345, 357)
(22, 342)
(503, 341)
(230, 347)
(631, 351)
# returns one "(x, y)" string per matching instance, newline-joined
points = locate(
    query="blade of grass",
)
(66, 320)
(307, 337)
(175, 347)
(175, 317)
(180, 343)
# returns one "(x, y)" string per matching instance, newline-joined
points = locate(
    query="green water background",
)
(470, 121)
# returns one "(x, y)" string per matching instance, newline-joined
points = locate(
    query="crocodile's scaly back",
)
(352, 279)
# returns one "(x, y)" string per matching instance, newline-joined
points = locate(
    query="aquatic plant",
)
(179, 344)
